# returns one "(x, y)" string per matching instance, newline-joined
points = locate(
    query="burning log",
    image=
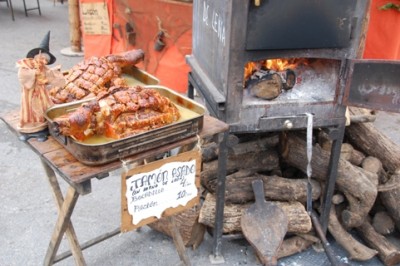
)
(388, 253)
(353, 182)
(299, 220)
(268, 87)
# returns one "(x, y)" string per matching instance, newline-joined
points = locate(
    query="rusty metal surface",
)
(374, 84)
(264, 224)
(220, 32)
(104, 152)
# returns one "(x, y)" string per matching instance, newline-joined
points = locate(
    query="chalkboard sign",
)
(159, 189)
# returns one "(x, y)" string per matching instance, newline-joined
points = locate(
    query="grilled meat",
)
(118, 113)
(96, 74)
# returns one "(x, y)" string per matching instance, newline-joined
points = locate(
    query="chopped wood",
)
(299, 220)
(346, 151)
(337, 199)
(353, 182)
(392, 183)
(357, 157)
(383, 223)
(260, 161)
(368, 139)
(372, 164)
(356, 250)
(388, 253)
(256, 145)
(239, 190)
(209, 152)
(293, 245)
(390, 199)
(191, 230)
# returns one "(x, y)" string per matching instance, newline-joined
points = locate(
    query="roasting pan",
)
(98, 150)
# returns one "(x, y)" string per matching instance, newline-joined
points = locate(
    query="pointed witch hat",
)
(43, 48)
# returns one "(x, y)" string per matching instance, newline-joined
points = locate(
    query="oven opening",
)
(289, 80)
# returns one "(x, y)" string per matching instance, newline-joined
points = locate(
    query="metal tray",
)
(190, 123)
(136, 76)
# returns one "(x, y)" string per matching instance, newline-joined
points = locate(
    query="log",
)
(209, 152)
(368, 139)
(294, 245)
(239, 190)
(357, 157)
(356, 250)
(383, 223)
(299, 220)
(259, 161)
(255, 145)
(191, 230)
(353, 182)
(390, 198)
(388, 253)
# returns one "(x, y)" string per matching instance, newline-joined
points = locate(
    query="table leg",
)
(62, 223)
(177, 238)
(70, 231)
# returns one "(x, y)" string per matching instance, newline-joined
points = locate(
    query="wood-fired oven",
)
(320, 41)
(228, 34)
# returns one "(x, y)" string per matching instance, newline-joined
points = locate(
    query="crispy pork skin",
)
(120, 112)
(94, 75)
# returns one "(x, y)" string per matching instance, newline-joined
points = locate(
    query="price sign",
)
(159, 189)
(95, 19)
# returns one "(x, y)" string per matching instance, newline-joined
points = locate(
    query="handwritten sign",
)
(160, 189)
(95, 20)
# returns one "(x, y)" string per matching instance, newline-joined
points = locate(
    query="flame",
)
(273, 64)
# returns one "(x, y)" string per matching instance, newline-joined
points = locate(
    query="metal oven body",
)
(229, 33)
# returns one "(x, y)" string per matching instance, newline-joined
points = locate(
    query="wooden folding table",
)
(57, 161)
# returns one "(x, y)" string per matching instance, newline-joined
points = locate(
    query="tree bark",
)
(351, 180)
(293, 245)
(299, 220)
(356, 250)
(191, 230)
(239, 190)
(388, 252)
(257, 161)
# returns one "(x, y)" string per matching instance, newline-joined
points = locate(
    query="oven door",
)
(373, 84)
(300, 24)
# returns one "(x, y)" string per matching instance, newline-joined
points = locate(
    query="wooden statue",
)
(35, 78)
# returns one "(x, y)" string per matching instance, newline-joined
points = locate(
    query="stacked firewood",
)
(366, 195)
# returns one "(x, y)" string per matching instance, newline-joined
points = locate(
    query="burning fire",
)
(273, 64)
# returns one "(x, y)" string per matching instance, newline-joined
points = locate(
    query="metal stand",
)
(33, 8)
